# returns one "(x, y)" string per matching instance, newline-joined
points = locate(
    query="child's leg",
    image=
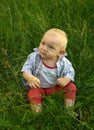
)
(69, 95)
(36, 107)
(69, 103)
(35, 96)
(69, 99)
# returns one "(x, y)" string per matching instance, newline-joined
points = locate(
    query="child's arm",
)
(68, 73)
(33, 81)
(28, 70)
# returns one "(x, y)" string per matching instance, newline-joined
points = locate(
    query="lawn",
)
(22, 24)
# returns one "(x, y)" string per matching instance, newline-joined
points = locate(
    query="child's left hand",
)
(63, 81)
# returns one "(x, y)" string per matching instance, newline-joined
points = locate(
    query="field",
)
(22, 24)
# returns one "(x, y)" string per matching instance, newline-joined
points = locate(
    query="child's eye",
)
(51, 47)
(43, 43)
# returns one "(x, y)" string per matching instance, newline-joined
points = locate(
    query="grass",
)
(22, 24)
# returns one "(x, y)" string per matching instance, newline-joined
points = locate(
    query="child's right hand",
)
(34, 83)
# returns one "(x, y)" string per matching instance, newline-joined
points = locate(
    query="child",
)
(47, 71)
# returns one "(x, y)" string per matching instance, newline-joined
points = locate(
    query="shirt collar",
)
(36, 49)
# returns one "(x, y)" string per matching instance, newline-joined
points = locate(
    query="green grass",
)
(22, 24)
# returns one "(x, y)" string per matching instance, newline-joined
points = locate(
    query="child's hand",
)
(63, 81)
(34, 82)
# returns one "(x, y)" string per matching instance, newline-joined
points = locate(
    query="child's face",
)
(50, 46)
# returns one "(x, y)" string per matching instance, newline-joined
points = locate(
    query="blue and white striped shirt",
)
(33, 65)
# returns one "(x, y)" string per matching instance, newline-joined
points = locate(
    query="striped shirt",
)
(34, 64)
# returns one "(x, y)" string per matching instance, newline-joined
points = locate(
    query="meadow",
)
(22, 24)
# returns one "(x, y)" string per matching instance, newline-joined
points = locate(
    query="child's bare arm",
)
(63, 81)
(33, 81)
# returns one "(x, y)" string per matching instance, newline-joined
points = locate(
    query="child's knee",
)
(71, 86)
(70, 91)
(34, 96)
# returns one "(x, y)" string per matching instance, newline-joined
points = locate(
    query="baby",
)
(47, 71)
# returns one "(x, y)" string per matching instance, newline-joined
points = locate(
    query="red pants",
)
(36, 95)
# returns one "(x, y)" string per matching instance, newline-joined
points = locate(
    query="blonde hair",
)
(62, 34)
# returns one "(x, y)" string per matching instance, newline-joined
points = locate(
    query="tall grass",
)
(22, 24)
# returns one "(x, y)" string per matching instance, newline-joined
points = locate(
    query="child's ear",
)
(62, 52)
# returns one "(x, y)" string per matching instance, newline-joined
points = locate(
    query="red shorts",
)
(36, 95)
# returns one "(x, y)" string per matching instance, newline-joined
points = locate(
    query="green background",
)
(22, 24)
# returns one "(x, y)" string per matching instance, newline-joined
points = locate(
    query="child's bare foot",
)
(36, 107)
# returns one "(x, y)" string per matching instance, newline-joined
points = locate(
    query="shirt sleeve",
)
(29, 64)
(68, 70)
